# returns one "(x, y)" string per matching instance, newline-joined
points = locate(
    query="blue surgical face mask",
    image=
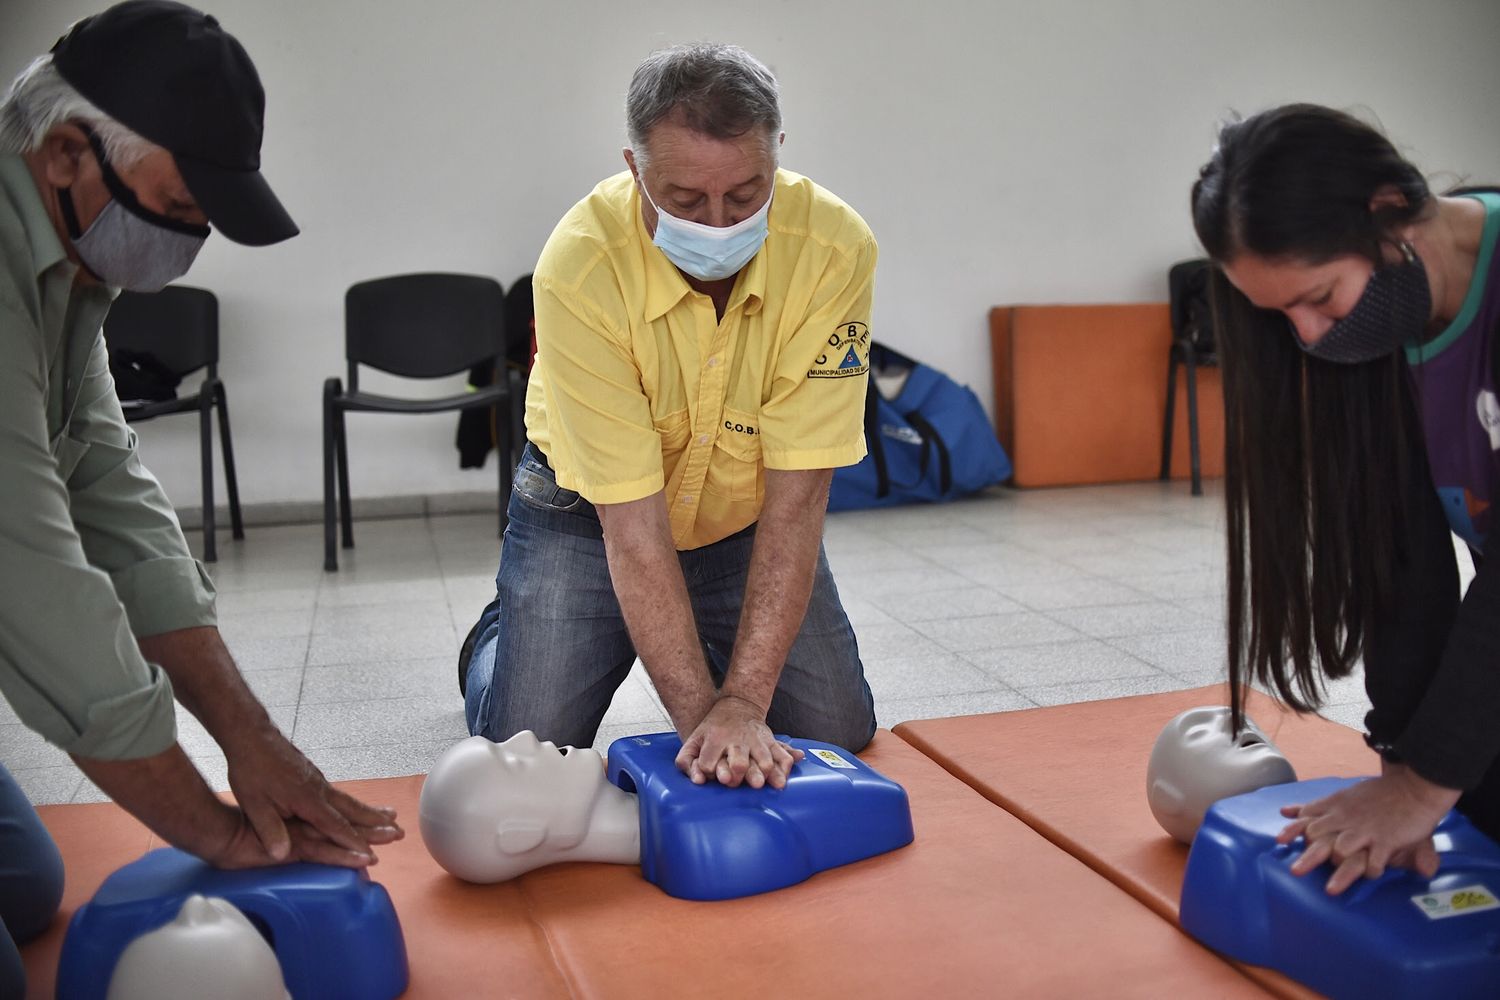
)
(709, 252)
(1394, 308)
(128, 245)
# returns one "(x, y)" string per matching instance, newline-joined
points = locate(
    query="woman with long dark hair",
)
(1357, 314)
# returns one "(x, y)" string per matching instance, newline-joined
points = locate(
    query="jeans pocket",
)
(535, 484)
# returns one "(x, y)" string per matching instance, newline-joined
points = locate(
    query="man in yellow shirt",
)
(703, 339)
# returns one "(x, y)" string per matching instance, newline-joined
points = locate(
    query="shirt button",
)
(687, 500)
(713, 362)
(703, 439)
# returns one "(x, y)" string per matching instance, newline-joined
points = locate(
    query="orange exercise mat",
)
(1077, 775)
(461, 940)
(978, 905)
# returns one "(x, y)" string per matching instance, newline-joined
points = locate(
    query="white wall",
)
(1002, 151)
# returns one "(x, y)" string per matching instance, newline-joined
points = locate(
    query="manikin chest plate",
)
(711, 842)
(1397, 936)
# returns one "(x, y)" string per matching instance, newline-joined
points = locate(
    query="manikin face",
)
(492, 811)
(210, 949)
(1197, 761)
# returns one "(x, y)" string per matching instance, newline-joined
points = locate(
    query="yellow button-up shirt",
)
(639, 387)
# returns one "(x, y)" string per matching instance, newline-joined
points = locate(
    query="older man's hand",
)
(733, 744)
(294, 812)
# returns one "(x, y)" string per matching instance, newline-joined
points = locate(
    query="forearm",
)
(207, 683)
(783, 563)
(653, 597)
(167, 793)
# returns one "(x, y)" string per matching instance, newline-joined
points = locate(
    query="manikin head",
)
(492, 811)
(1198, 760)
(210, 949)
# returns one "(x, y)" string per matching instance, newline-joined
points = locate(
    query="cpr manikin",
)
(209, 950)
(492, 811)
(1198, 760)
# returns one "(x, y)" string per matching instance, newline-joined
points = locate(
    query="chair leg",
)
(330, 552)
(346, 511)
(1191, 372)
(206, 446)
(1166, 429)
(231, 481)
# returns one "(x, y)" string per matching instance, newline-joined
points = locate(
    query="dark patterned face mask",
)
(1395, 308)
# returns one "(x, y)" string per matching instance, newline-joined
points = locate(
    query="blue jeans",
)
(31, 881)
(552, 646)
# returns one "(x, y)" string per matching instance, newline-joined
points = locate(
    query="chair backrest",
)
(520, 323)
(423, 325)
(177, 326)
(1187, 290)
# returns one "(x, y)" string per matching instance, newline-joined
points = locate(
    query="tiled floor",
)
(1004, 601)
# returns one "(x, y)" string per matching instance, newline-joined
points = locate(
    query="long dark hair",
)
(1316, 454)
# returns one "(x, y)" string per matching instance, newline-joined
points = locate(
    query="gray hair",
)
(40, 98)
(721, 91)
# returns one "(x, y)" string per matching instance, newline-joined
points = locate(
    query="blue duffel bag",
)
(932, 441)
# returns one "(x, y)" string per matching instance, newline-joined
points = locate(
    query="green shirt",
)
(91, 554)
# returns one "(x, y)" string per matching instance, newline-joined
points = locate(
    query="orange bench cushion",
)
(978, 903)
(458, 936)
(1077, 775)
(1081, 391)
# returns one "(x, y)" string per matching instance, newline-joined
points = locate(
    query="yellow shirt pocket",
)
(734, 469)
(673, 429)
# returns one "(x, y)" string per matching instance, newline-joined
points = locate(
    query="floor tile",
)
(1025, 628)
(434, 640)
(1118, 687)
(1081, 592)
(894, 641)
(22, 748)
(1153, 618)
(333, 619)
(1058, 663)
(933, 605)
(1178, 652)
(391, 720)
(347, 592)
(45, 786)
(279, 653)
(385, 760)
(922, 677)
(895, 711)
(238, 626)
(432, 677)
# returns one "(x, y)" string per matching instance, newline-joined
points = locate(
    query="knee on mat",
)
(33, 897)
(853, 733)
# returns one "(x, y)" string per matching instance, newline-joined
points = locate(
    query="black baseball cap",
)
(175, 77)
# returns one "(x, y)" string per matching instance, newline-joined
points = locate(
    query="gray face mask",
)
(128, 245)
(1395, 307)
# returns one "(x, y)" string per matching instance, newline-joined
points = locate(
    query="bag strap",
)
(873, 440)
(930, 434)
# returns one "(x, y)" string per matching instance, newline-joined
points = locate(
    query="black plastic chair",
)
(176, 332)
(1193, 347)
(415, 326)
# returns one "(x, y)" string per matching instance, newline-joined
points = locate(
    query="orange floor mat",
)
(979, 904)
(1077, 775)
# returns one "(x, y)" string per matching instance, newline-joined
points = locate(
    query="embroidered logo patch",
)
(846, 354)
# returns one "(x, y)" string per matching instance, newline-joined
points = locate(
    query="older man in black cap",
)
(118, 151)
